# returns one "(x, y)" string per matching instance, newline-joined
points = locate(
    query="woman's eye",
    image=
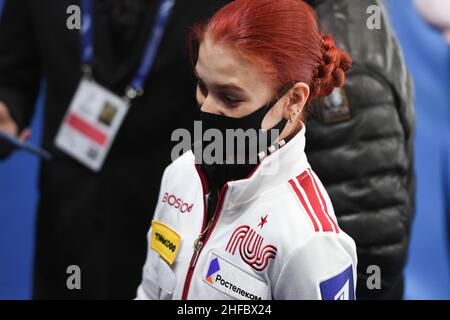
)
(231, 101)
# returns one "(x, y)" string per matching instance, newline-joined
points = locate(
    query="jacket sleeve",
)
(324, 268)
(20, 68)
(150, 287)
(366, 162)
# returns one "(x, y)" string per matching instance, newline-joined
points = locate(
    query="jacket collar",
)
(287, 162)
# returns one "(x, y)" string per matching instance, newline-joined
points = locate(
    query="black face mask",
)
(243, 147)
(237, 162)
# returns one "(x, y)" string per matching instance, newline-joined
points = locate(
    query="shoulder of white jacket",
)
(305, 202)
(298, 226)
(181, 164)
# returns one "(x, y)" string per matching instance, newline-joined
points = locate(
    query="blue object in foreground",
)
(25, 146)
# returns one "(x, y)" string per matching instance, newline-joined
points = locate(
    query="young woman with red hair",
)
(263, 230)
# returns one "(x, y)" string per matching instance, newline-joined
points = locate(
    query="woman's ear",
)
(293, 109)
(297, 98)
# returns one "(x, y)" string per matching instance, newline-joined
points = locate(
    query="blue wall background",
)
(428, 270)
(18, 196)
(428, 57)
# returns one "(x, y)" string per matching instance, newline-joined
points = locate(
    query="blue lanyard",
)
(137, 84)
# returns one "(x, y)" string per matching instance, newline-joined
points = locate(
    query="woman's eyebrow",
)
(232, 89)
(222, 86)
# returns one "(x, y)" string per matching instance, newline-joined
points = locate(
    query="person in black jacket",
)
(361, 145)
(97, 221)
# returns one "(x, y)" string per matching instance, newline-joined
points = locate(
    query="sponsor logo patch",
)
(233, 281)
(165, 241)
(251, 249)
(177, 203)
(339, 287)
(213, 269)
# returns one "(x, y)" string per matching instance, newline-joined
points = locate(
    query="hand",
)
(434, 12)
(8, 125)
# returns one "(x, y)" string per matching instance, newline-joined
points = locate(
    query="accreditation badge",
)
(91, 124)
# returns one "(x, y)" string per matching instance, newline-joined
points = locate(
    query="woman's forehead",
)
(215, 61)
(221, 65)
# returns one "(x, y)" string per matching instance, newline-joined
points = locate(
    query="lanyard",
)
(136, 88)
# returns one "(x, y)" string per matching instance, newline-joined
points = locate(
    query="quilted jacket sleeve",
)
(366, 161)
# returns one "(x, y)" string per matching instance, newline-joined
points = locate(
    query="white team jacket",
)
(274, 236)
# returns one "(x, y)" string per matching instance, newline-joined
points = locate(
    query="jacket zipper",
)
(201, 241)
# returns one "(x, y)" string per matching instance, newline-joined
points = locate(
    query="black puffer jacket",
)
(366, 160)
